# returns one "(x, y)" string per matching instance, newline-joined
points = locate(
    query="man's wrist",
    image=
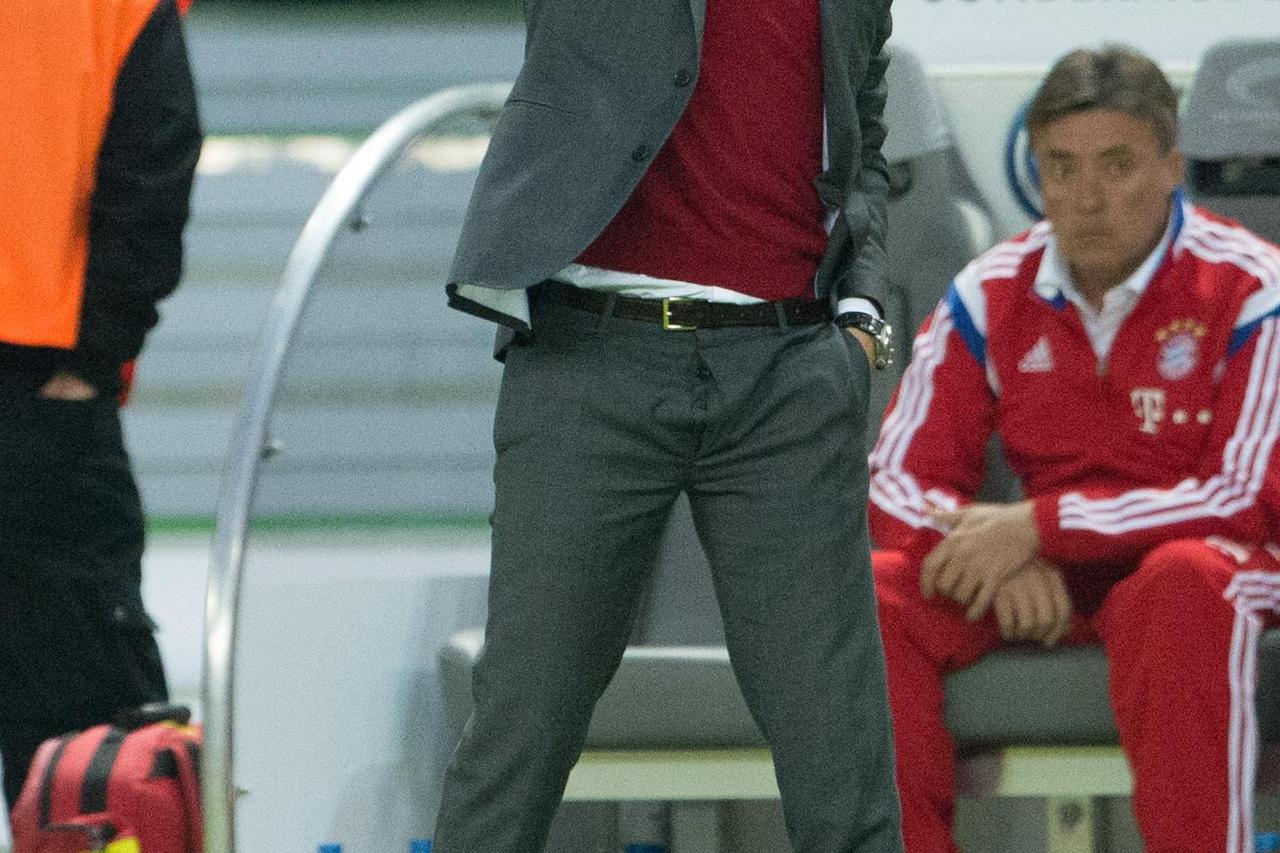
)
(879, 332)
(1027, 510)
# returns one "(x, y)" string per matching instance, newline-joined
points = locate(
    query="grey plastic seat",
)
(685, 697)
(937, 219)
(1231, 133)
(662, 697)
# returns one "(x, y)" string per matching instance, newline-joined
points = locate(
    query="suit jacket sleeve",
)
(141, 198)
(866, 276)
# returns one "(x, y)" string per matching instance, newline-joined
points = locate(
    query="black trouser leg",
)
(76, 644)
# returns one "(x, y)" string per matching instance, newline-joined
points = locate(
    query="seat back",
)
(938, 221)
(1231, 134)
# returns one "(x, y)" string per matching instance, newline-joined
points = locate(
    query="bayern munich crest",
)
(1179, 349)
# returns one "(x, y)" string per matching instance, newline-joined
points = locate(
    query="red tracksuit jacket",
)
(1173, 436)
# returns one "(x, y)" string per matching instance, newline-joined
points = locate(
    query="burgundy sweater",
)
(730, 200)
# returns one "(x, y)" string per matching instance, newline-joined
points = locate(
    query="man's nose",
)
(1090, 194)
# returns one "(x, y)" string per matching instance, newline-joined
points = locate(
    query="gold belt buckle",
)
(666, 315)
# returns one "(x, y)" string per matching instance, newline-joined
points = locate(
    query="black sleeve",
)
(141, 198)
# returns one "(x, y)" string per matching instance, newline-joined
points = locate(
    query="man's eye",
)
(1119, 168)
(1057, 170)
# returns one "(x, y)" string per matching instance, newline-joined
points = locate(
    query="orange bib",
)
(59, 60)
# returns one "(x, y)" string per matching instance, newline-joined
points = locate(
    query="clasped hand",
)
(987, 548)
(1033, 605)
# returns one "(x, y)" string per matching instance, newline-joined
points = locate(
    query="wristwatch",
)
(881, 334)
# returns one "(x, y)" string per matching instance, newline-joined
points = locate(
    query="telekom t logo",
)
(1148, 406)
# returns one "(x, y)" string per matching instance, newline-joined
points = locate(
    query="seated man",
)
(1128, 352)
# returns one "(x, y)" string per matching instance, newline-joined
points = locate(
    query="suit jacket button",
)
(682, 78)
(641, 153)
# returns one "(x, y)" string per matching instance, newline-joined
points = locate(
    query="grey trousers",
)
(601, 424)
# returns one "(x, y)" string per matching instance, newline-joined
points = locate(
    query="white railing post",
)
(251, 443)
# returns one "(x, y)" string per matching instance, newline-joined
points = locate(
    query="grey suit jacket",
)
(602, 86)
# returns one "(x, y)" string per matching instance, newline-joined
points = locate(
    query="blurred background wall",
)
(287, 92)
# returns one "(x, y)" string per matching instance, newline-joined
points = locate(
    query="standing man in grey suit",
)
(656, 232)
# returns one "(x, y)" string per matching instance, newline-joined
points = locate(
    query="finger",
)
(980, 572)
(982, 599)
(1057, 616)
(929, 572)
(944, 517)
(1058, 631)
(1026, 611)
(1042, 610)
(934, 564)
(1005, 616)
(1062, 603)
(1030, 617)
(967, 583)
(1012, 623)
(951, 579)
(962, 574)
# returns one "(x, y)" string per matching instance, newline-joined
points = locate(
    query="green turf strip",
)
(404, 522)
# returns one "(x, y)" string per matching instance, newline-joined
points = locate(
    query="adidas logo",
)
(1038, 359)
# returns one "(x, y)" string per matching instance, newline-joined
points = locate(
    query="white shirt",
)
(1054, 279)
(648, 287)
(515, 303)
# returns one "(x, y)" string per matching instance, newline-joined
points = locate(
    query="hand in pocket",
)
(65, 385)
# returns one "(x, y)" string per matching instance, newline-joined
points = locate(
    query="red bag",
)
(121, 789)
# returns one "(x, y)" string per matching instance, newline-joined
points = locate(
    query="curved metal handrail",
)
(249, 444)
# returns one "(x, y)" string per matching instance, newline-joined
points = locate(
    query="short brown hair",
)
(1113, 78)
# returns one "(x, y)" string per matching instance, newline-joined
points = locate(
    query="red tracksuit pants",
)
(1180, 634)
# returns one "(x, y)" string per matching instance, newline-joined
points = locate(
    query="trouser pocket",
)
(37, 434)
(74, 650)
(43, 443)
(67, 494)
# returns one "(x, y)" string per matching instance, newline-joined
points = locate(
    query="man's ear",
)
(1175, 164)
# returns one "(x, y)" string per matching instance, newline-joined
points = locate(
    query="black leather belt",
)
(683, 314)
